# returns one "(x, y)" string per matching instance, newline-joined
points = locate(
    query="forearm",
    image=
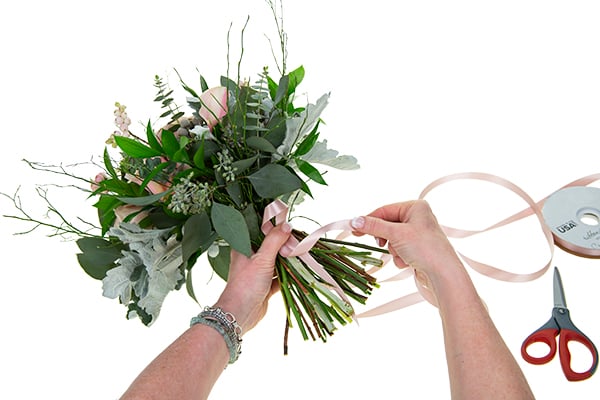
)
(480, 365)
(187, 369)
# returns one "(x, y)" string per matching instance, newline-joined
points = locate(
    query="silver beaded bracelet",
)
(226, 324)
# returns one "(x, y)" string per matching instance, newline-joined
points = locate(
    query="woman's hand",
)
(250, 283)
(414, 239)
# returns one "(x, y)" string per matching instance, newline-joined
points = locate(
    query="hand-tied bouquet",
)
(202, 183)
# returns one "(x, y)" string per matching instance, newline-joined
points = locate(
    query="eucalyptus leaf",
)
(189, 285)
(98, 256)
(273, 180)
(242, 165)
(198, 235)
(234, 190)
(261, 144)
(231, 226)
(282, 89)
(252, 222)
(220, 263)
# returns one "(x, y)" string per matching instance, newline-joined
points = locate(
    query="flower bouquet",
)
(206, 181)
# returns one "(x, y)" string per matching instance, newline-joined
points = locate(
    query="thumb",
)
(273, 242)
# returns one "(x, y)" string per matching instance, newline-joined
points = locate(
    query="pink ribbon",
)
(278, 210)
(485, 269)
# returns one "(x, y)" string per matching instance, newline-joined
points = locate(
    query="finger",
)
(273, 242)
(381, 229)
(396, 212)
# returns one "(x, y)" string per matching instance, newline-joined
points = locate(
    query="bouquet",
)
(206, 181)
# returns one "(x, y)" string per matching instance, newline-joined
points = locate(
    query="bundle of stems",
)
(314, 302)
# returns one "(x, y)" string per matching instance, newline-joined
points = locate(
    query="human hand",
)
(250, 283)
(414, 239)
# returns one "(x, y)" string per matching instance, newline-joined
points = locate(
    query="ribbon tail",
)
(394, 305)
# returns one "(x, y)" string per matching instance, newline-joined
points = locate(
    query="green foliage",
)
(220, 263)
(229, 223)
(184, 188)
(198, 235)
(164, 97)
(98, 255)
(274, 180)
(134, 148)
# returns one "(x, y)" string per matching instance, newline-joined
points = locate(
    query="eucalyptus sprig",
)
(198, 183)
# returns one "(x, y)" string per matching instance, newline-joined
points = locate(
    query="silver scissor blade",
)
(559, 293)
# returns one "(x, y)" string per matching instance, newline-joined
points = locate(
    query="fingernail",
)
(358, 222)
(286, 227)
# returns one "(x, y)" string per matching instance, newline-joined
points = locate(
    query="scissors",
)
(560, 325)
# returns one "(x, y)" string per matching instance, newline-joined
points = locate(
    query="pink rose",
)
(153, 187)
(123, 212)
(97, 179)
(214, 105)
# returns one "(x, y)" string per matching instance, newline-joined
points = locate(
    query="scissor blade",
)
(559, 293)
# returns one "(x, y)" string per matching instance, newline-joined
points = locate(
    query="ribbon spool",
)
(573, 215)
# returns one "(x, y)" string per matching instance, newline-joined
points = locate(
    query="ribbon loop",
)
(534, 208)
(293, 248)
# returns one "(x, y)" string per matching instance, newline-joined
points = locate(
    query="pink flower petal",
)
(214, 105)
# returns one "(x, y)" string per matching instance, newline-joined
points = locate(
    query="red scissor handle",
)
(566, 336)
(546, 336)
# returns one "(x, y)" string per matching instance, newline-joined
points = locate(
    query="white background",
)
(419, 90)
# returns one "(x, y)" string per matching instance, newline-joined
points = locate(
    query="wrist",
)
(235, 308)
(226, 325)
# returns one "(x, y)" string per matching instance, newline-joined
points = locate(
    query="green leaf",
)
(199, 156)
(203, 84)
(151, 137)
(234, 190)
(308, 142)
(106, 203)
(143, 200)
(169, 142)
(198, 235)
(252, 222)
(282, 89)
(229, 84)
(106, 213)
(295, 77)
(98, 256)
(155, 171)
(135, 149)
(189, 285)
(260, 144)
(273, 180)
(310, 171)
(231, 226)
(242, 165)
(220, 263)
(109, 166)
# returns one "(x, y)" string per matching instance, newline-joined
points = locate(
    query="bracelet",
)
(226, 324)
